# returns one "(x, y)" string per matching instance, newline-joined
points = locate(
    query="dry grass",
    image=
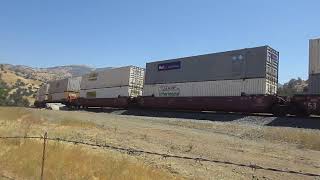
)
(18, 121)
(303, 138)
(68, 121)
(12, 113)
(68, 161)
(23, 159)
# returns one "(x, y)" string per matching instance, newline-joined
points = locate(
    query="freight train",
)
(242, 81)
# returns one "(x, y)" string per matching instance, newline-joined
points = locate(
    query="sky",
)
(112, 33)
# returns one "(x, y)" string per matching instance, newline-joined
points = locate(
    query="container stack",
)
(232, 73)
(43, 92)
(314, 66)
(113, 83)
(62, 90)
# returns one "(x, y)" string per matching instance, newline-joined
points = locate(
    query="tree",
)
(3, 92)
(17, 98)
(294, 86)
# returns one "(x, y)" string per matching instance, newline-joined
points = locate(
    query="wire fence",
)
(132, 151)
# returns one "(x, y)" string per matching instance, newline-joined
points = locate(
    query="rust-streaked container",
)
(248, 104)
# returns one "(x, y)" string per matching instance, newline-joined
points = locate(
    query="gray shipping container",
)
(314, 84)
(314, 56)
(258, 62)
(43, 89)
(65, 85)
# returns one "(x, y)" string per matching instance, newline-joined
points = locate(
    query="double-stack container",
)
(314, 66)
(233, 73)
(112, 87)
(240, 80)
(64, 90)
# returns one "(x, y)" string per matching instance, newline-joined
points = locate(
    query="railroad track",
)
(312, 122)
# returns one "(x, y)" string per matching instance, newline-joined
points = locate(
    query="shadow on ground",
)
(262, 120)
(210, 116)
(296, 122)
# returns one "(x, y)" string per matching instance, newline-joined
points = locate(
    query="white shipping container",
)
(314, 56)
(210, 88)
(116, 77)
(113, 92)
(65, 85)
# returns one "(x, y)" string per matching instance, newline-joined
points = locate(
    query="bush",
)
(15, 99)
(294, 86)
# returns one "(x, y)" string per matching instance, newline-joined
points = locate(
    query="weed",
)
(68, 121)
(189, 147)
(72, 162)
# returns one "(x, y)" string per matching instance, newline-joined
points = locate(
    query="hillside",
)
(294, 86)
(19, 84)
(17, 90)
(51, 73)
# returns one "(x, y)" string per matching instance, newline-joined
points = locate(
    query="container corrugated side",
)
(207, 88)
(105, 92)
(314, 84)
(314, 56)
(44, 89)
(74, 84)
(107, 78)
(57, 96)
(136, 81)
(63, 96)
(58, 86)
(238, 64)
(65, 85)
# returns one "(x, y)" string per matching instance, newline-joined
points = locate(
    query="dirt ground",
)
(283, 148)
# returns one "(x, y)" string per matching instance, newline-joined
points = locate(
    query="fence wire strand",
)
(132, 151)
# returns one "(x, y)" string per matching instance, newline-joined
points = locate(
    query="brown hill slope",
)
(22, 82)
(18, 88)
(47, 74)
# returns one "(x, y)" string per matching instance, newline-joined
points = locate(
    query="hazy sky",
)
(43, 33)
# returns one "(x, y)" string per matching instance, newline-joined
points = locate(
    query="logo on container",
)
(169, 66)
(169, 91)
